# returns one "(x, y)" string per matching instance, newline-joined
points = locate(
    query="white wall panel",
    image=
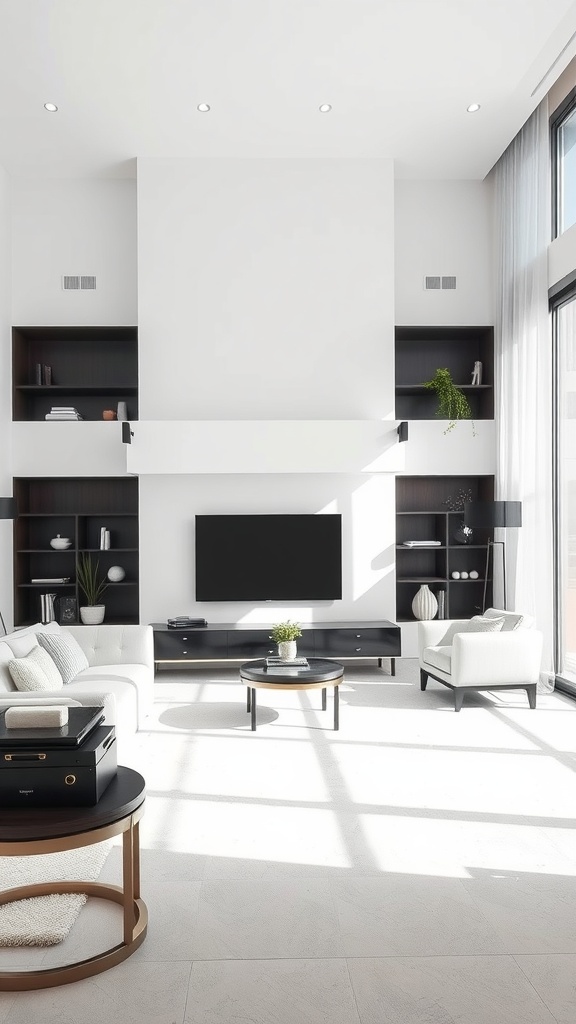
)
(82, 448)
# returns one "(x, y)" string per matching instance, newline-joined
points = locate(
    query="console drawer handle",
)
(184, 652)
(184, 638)
(358, 635)
(358, 648)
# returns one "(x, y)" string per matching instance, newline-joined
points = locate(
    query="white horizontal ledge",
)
(62, 448)
(264, 446)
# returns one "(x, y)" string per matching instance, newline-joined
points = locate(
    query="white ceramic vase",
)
(424, 604)
(287, 650)
(92, 614)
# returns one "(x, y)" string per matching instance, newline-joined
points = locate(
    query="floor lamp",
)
(491, 515)
(8, 510)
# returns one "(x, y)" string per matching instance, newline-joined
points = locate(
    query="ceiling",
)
(127, 76)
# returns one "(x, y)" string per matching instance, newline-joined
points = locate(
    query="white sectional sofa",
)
(119, 676)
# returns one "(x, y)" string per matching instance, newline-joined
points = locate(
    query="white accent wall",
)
(266, 293)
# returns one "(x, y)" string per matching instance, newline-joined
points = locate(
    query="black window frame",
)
(557, 118)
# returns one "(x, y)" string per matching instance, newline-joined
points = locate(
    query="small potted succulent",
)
(92, 587)
(285, 635)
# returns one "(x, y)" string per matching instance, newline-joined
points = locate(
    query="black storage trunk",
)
(59, 777)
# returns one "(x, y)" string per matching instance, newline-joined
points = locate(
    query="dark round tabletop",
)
(125, 793)
(318, 670)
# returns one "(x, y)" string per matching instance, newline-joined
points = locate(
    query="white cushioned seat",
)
(439, 657)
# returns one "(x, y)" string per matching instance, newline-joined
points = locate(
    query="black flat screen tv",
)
(268, 557)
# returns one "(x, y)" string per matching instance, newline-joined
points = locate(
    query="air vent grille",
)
(77, 282)
(432, 283)
(449, 282)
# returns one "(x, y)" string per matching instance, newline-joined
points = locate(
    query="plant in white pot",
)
(92, 587)
(285, 635)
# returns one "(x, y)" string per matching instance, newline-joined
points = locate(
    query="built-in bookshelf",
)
(79, 509)
(420, 351)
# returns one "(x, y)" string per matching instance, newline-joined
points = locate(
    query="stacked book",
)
(63, 412)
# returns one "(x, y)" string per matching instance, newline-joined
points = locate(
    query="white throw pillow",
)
(65, 652)
(512, 620)
(477, 624)
(22, 645)
(36, 671)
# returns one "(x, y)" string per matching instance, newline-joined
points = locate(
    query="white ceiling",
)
(127, 76)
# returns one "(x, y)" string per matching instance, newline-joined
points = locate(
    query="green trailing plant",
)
(88, 580)
(452, 402)
(285, 631)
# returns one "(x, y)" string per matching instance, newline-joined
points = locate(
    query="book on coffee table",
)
(282, 663)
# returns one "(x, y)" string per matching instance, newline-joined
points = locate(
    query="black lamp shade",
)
(489, 515)
(8, 508)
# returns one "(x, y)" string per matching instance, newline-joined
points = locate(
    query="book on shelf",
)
(421, 544)
(56, 414)
(47, 374)
(282, 663)
(53, 579)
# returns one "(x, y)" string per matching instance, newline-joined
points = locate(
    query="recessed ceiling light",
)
(51, 107)
(325, 108)
(203, 108)
(473, 108)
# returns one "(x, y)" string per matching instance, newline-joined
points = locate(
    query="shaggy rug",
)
(46, 920)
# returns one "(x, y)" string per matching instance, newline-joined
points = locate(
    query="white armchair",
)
(505, 660)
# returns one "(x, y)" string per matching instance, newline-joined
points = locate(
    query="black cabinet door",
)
(250, 643)
(189, 644)
(359, 643)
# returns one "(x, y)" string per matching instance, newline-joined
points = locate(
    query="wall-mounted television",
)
(268, 557)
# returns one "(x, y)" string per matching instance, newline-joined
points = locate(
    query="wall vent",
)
(432, 283)
(76, 282)
(448, 282)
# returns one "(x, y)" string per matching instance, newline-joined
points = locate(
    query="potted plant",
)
(285, 635)
(452, 402)
(93, 611)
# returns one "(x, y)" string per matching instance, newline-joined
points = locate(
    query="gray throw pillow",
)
(66, 653)
(477, 624)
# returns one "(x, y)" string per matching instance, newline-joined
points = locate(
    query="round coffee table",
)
(53, 829)
(317, 675)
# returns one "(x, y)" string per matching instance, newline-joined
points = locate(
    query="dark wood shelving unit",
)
(420, 351)
(92, 369)
(422, 515)
(75, 507)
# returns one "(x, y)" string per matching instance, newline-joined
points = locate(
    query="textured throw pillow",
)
(511, 620)
(65, 652)
(36, 671)
(477, 624)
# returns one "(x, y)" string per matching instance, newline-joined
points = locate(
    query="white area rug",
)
(46, 920)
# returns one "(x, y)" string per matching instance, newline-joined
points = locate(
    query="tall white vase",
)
(424, 604)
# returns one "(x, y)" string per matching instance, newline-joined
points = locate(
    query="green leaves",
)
(283, 631)
(452, 402)
(87, 575)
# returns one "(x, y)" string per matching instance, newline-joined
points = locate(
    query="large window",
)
(565, 485)
(563, 126)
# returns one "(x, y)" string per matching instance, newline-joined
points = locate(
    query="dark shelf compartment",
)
(76, 508)
(420, 351)
(422, 514)
(88, 364)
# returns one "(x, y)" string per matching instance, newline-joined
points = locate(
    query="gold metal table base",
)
(135, 921)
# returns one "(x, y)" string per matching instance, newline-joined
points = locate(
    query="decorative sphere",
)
(473, 575)
(116, 573)
(455, 575)
(463, 575)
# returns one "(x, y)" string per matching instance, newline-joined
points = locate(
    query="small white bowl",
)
(60, 543)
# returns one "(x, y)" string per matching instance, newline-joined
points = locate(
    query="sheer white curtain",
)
(523, 368)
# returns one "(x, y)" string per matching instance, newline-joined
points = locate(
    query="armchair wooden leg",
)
(531, 692)
(423, 679)
(458, 698)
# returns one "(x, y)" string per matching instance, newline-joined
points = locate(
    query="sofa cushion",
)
(36, 671)
(477, 624)
(439, 657)
(65, 652)
(6, 681)
(22, 645)
(512, 620)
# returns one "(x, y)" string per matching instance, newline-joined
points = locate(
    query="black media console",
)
(223, 641)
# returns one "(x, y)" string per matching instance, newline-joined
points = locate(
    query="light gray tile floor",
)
(416, 866)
